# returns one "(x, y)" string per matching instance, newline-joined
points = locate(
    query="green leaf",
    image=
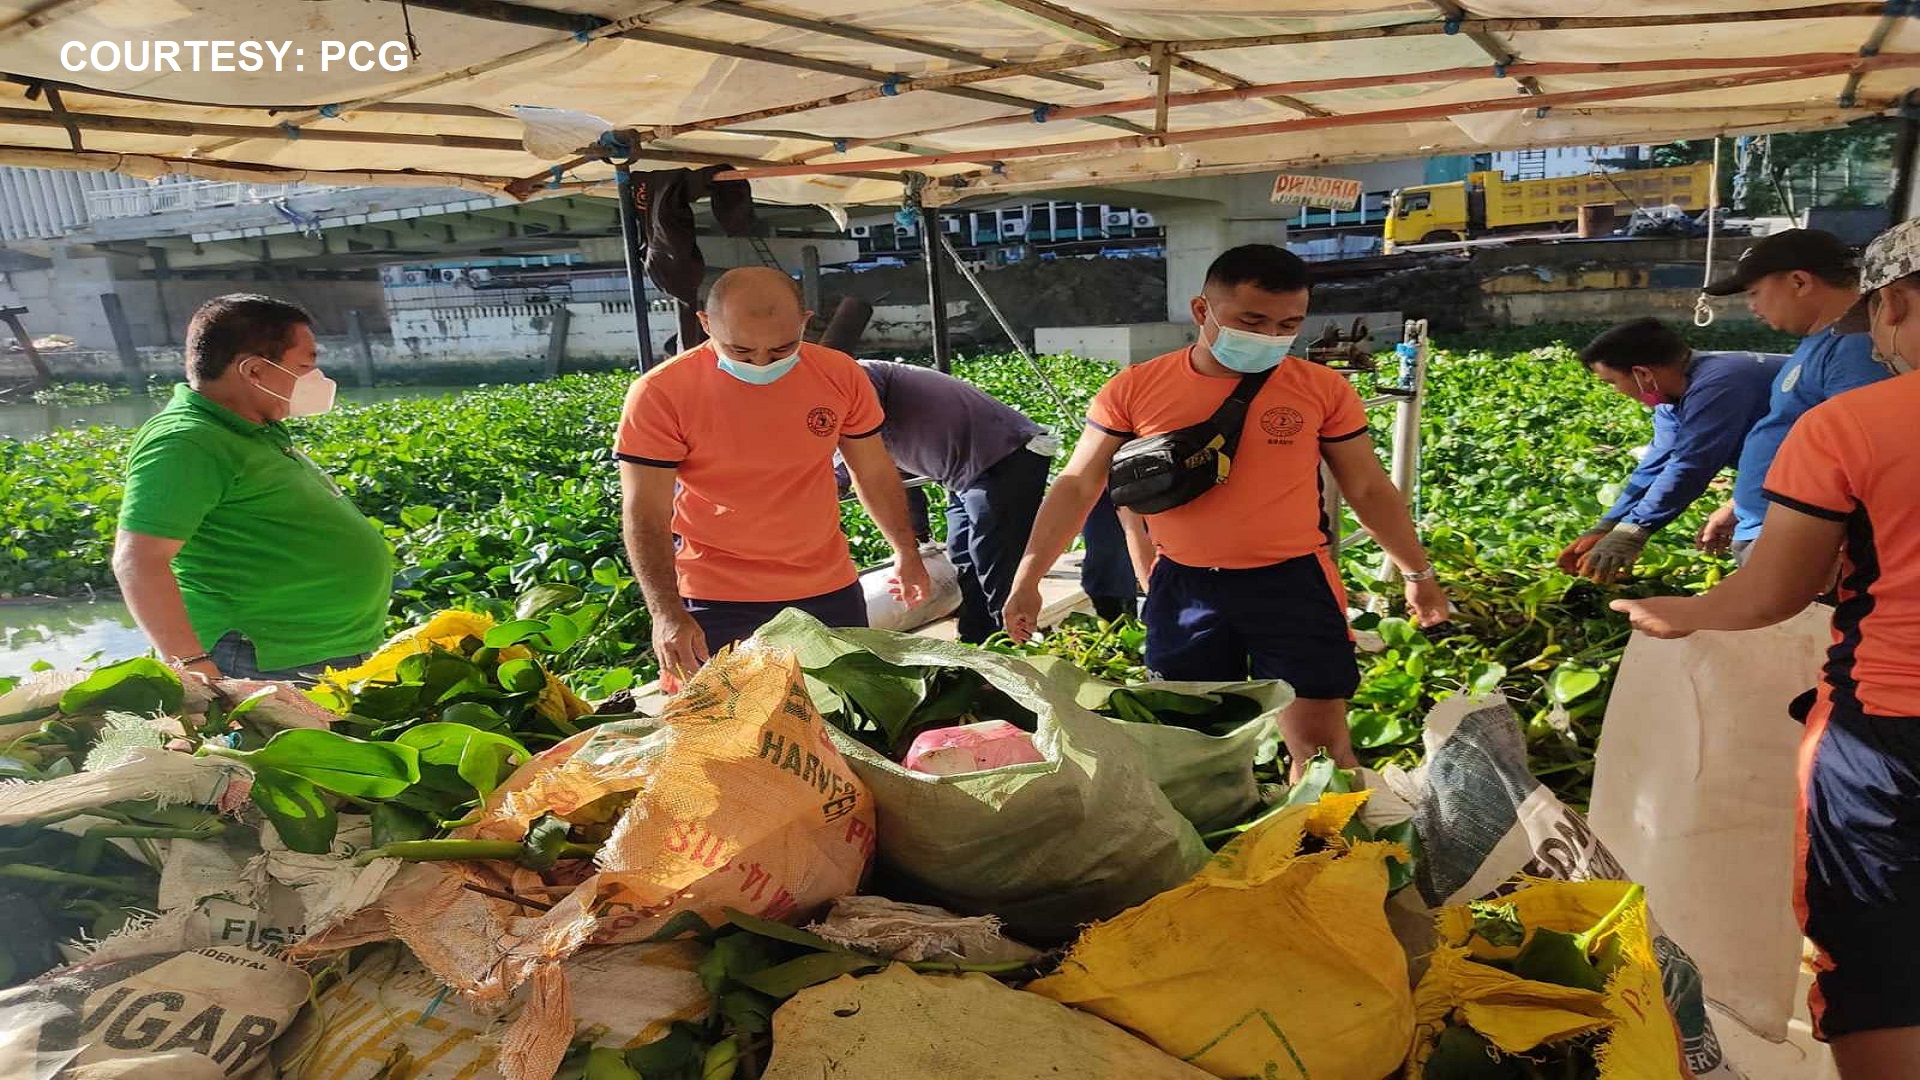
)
(475, 714)
(416, 517)
(482, 758)
(139, 685)
(678, 1055)
(543, 598)
(607, 571)
(8, 682)
(393, 822)
(885, 694)
(546, 835)
(1374, 730)
(616, 680)
(1488, 680)
(1320, 777)
(513, 633)
(335, 762)
(1497, 923)
(785, 980)
(779, 931)
(1550, 956)
(682, 923)
(732, 957)
(748, 1012)
(562, 631)
(1570, 683)
(298, 812)
(522, 676)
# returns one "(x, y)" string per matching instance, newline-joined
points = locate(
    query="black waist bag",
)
(1161, 472)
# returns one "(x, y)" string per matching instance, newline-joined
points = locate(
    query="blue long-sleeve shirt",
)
(1826, 364)
(1727, 394)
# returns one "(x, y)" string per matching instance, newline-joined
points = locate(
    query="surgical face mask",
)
(756, 374)
(1244, 351)
(1649, 397)
(312, 394)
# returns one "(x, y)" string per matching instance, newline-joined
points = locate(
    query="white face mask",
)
(1245, 351)
(313, 392)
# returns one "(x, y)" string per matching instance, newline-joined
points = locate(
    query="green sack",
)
(1048, 847)
(1204, 760)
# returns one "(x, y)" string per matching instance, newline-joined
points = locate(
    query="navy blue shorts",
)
(1859, 868)
(727, 621)
(1286, 621)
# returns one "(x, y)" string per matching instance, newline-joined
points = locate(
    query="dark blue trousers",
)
(987, 529)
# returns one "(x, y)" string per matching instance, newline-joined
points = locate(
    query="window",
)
(1417, 201)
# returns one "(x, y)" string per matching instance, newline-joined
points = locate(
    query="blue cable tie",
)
(1499, 71)
(891, 88)
(554, 173)
(583, 36)
(999, 168)
(1541, 112)
(1453, 26)
(1043, 114)
(287, 127)
(839, 146)
(331, 112)
(1847, 100)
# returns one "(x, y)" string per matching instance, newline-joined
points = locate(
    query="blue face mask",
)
(1246, 352)
(756, 374)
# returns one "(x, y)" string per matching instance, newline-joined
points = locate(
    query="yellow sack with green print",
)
(1268, 963)
(1625, 1025)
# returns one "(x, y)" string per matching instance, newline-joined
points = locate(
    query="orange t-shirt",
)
(1269, 509)
(757, 511)
(1854, 459)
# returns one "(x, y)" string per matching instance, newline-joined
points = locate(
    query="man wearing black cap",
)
(1802, 281)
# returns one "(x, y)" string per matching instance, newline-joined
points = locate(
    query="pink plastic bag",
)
(970, 748)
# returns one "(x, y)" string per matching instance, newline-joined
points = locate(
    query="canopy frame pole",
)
(1281, 91)
(1497, 51)
(1313, 123)
(633, 247)
(912, 207)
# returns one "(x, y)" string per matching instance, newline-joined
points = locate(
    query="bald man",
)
(729, 506)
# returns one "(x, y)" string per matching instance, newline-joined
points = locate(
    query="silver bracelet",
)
(1423, 575)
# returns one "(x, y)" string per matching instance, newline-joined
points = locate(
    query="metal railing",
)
(187, 195)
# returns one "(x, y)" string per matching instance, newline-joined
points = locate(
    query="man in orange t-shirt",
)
(1244, 583)
(729, 505)
(1847, 479)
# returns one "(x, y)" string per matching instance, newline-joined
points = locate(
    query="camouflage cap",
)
(1894, 254)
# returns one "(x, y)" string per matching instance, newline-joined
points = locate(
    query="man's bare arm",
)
(646, 524)
(143, 565)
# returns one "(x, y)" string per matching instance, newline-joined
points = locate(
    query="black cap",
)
(1811, 250)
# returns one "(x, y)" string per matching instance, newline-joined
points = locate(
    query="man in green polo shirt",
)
(237, 555)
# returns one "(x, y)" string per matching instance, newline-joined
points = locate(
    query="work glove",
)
(1570, 556)
(1615, 553)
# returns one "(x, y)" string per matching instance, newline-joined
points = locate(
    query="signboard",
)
(1327, 192)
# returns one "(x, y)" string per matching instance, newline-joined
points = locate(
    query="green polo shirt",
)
(272, 548)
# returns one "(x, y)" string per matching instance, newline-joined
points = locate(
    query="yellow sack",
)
(1519, 1015)
(446, 630)
(1267, 963)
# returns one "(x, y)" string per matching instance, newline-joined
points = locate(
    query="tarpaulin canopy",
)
(834, 101)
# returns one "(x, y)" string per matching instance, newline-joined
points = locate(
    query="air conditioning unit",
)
(1119, 218)
(953, 225)
(861, 232)
(416, 277)
(450, 274)
(1142, 220)
(1013, 227)
(479, 275)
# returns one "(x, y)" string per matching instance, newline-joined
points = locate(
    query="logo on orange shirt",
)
(1282, 422)
(823, 421)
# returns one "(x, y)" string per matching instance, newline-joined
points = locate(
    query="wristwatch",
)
(1422, 575)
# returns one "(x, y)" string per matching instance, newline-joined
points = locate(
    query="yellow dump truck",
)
(1486, 203)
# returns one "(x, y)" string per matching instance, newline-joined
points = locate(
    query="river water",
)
(66, 633)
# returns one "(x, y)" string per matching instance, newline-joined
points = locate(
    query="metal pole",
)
(1067, 415)
(362, 347)
(634, 248)
(936, 291)
(1406, 424)
(810, 276)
